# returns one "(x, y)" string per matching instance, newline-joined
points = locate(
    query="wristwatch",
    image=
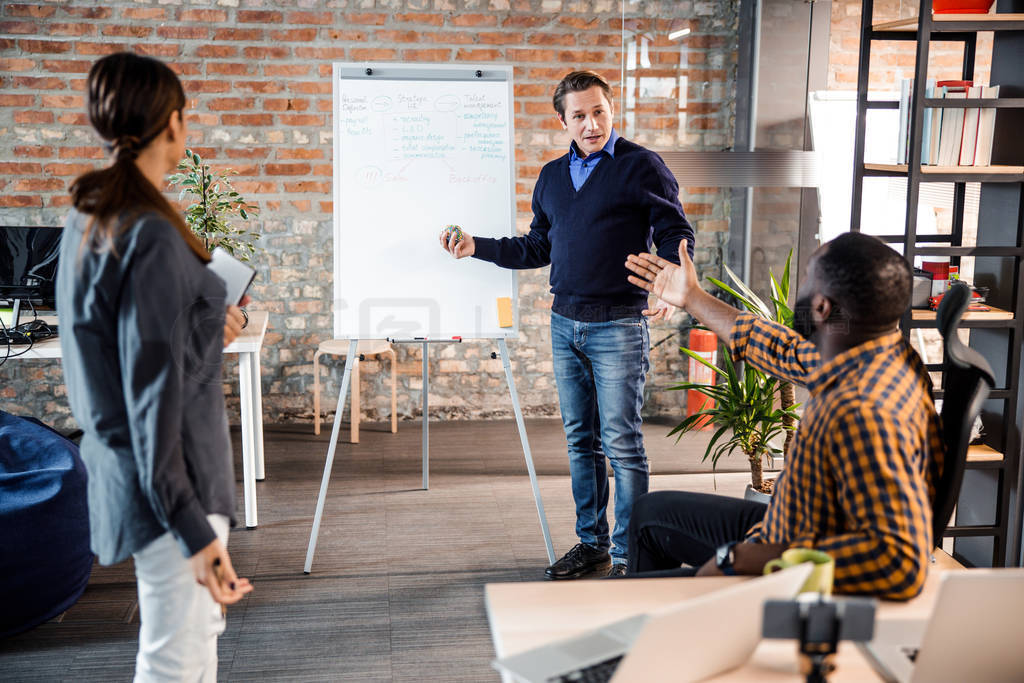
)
(724, 558)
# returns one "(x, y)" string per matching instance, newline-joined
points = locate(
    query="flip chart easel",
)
(520, 424)
(417, 146)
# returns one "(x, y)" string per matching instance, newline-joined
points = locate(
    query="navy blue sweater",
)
(586, 235)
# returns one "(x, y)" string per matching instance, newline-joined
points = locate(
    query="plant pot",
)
(757, 496)
(961, 6)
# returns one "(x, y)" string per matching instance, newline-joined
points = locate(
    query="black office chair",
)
(967, 381)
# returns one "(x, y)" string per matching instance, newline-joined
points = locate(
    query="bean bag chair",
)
(45, 560)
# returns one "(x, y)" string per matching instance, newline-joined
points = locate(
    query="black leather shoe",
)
(582, 559)
(617, 571)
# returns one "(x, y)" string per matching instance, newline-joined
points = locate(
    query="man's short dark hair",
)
(578, 81)
(869, 280)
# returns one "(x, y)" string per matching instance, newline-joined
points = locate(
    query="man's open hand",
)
(669, 282)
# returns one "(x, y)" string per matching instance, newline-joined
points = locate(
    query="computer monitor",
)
(28, 267)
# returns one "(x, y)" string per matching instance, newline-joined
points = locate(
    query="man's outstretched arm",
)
(769, 347)
(679, 286)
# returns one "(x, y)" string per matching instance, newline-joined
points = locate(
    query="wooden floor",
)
(396, 592)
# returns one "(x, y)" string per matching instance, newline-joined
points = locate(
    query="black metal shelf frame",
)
(980, 102)
(996, 394)
(1002, 252)
(920, 238)
(1005, 531)
(975, 324)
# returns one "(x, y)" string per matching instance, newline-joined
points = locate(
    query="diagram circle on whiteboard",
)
(418, 147)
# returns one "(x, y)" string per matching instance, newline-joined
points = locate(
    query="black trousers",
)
(671, 528)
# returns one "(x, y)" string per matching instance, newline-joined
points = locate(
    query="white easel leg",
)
(526, 450)
(353, 345)
(426, 421)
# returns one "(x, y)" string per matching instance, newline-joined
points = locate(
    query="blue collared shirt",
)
(581, 168)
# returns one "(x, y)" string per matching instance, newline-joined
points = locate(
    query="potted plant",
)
(744, 412)
(780, 312)
(216, 207)
(749, 409)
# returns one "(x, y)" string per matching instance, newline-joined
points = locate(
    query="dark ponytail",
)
(131, 99)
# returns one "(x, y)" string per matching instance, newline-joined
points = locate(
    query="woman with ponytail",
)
(144, 323)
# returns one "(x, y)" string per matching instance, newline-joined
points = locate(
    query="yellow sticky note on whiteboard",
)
(504, 311)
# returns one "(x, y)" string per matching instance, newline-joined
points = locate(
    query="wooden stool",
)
(367, 349)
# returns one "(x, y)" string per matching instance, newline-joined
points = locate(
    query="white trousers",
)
(180, 621)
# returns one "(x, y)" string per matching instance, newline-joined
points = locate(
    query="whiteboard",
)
(416, 148)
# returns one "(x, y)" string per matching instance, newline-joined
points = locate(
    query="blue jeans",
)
(600, 370)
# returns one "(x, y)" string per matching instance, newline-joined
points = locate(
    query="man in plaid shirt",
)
(860, 482)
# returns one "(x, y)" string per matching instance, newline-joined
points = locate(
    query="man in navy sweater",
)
(607, 198)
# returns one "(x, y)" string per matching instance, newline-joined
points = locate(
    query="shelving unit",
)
(924, 315)
(955, 22)
(970, 174)
(983, 453)
(987, 527)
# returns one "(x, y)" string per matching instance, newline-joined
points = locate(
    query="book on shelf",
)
(926, 126)
(986, 127)
(952, 130)
(950, 136)
(903, 149)
(936, 126)
(970, 133)
(901, 153)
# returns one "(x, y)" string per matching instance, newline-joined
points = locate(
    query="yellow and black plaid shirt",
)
(860, 480)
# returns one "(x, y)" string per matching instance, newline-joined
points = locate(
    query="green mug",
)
(820, 580)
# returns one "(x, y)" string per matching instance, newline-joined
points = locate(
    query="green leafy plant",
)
(781, 312)
(743, 408)
(216, 207)
(743, 411)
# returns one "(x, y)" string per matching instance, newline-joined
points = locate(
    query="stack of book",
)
(950, 137)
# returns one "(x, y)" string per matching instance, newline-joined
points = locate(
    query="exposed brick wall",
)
(892, 61)
(257, 75)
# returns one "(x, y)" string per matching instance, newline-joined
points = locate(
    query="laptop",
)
(973, 633)
(682, 642)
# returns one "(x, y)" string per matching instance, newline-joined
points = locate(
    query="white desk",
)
(247, 346)
(525, 615)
